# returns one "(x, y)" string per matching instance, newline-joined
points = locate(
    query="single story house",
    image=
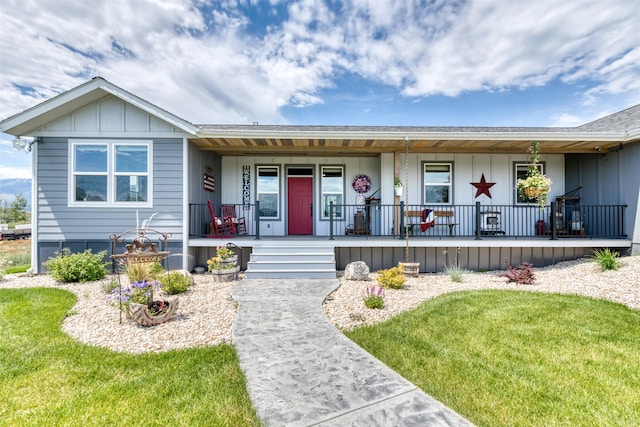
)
(105, 160)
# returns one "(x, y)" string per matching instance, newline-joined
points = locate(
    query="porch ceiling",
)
(372, 146)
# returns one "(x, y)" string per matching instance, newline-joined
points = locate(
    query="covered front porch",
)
(400, 221)
(476, 237)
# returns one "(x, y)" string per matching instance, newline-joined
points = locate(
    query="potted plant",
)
(397, 186)
(139, 304)
(536, 186)
(224, 266)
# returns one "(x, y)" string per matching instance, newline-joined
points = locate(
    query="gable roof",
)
(601, 135)
(627, 121)
(73, 99)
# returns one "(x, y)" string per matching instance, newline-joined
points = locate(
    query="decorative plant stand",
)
(140, 313)
(143, 250)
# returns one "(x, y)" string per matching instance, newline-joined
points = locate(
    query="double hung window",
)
(110, 173)
(438, 182)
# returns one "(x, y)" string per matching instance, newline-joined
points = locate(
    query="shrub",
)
(175, 282)
(607, 259)
(78, 267)
(141, 271)
(391, 278)
(522, 274)
(455, 272)
(373, 297)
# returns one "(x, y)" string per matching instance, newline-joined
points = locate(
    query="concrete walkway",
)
(302, 371)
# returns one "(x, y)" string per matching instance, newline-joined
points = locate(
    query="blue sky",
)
(354, 62)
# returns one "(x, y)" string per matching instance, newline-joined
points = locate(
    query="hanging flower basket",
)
(536, 186)
(361, 184)
(532, 193)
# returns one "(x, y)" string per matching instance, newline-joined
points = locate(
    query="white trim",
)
(280, 193)
(185, 204)
(33, 118)
(451, 184)
(343, 195)
(34, 209)
(349, 133)
(111, 175)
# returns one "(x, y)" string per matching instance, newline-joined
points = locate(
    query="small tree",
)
(17, 210)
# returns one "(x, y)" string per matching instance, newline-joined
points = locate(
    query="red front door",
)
(300, 208)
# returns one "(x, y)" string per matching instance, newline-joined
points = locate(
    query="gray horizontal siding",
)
(57, 222)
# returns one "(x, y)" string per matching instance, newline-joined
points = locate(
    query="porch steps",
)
(291, 262)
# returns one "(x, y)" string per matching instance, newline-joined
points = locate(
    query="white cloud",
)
(567, 120)
(196, 59)
(12, 172)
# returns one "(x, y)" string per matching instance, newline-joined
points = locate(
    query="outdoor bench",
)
(440, 219)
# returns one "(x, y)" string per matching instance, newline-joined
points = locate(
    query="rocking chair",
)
(220, 226)
(229, 211)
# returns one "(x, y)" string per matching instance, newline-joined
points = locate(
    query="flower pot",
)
(225, 275)
(231, 261)
(141, 314)
(411, 269)
(532, 193)
(398, 191)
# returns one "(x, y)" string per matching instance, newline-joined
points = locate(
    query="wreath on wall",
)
(361, 184)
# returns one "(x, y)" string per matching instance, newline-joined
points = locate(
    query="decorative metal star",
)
(483, 187)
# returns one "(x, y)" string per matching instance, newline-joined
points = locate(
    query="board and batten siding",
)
(609, 179)
(231, 191)
(56, 221)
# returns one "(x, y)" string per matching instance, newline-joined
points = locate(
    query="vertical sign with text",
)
(246, 186)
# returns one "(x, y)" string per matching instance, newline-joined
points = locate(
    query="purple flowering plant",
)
(373, 297)
(138, 292)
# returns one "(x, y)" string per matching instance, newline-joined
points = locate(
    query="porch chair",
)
(238, 222)
(220, 226)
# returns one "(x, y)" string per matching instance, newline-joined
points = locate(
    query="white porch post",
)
(185, 204)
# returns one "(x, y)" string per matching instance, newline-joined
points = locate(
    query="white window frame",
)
(111, 175)
(339, 214)
(426, 184)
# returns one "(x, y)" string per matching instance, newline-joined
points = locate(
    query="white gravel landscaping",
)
(206, 313)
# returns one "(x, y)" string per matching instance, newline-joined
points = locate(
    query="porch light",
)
(21, 144)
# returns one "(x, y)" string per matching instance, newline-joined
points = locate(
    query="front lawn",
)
(518, 358)
(46, 378)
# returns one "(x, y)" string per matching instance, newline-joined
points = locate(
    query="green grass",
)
(46, 378)
(518, 358)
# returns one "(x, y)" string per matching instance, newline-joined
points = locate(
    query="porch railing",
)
(471, 221)
(478, 221)
(200, 219)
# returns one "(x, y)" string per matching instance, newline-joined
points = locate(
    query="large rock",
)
(357, 270)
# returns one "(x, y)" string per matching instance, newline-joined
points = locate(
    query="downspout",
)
(185, 204)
